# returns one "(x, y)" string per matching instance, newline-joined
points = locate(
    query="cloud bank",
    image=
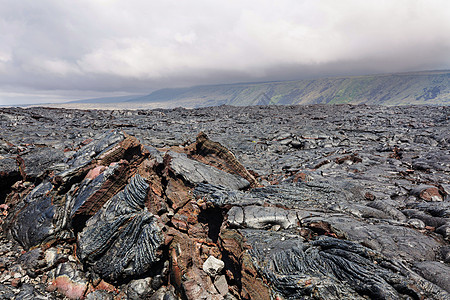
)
(103, 47)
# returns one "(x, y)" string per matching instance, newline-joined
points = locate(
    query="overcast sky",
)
(61, 50)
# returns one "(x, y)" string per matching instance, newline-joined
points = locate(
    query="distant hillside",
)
(432, 88)
(107, 99)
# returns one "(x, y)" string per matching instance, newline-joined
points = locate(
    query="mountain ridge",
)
(429, 87)
(407, 88)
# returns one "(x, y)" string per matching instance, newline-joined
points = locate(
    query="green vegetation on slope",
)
(431, 88)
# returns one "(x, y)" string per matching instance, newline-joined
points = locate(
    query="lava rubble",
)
(264, 202)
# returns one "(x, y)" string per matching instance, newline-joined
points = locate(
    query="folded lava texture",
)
(114, 218)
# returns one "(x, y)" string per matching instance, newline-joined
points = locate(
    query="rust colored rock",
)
(16, 282)
(252, 286)
(102, 286)
(213, 153)
(300, 176)
(95, 193)
(155, 201)
(19, 191)
(352, 158)
(187, 274)
(177, 192)
(233, 243)
(68, 288)
(93, 173)
(369, 196)
(129, 148)
(321, 227)
(86, 141)
(322, 163)
(427, 193)
(397, 153)
(68, 281)
(186, 217)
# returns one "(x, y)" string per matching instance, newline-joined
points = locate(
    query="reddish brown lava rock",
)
(67, 287)
(155, 201)
(186, 216)
(186, 265)
(397, 153)
(177, 192)
(130, 149)
(321, 227)
(427, 193)
(369, 196)
(16, 282)
(109, 188)
(300, 176)
(352, 157)
(93, 173)
(253, 287)
(102, 286)
(214, 154)
(18, 191)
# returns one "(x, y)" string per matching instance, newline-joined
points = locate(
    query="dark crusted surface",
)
(346, 202)
(121, 235)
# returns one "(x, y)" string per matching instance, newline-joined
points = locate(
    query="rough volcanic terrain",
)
(262, 202)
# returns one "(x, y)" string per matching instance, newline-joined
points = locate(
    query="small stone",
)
(444, 230)
(26, 279)
(416, 223)
(32, 260)
(159, 294)
(213, 266)
(276, 227)
(369, 196)
(157, 282)
(221, 285)
(140, 288)
(16, 282)
(445, 254)
(286, 141)
(296, 144)
(50, 256)
(6, 277)
(68, 281)
(427, 193)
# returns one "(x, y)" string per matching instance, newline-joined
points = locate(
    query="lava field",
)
(262, 202)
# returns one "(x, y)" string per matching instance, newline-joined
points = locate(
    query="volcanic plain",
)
(259, 202)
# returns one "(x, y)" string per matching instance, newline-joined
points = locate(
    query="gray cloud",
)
(68, 49)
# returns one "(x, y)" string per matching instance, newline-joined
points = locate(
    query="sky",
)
(54, 51)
